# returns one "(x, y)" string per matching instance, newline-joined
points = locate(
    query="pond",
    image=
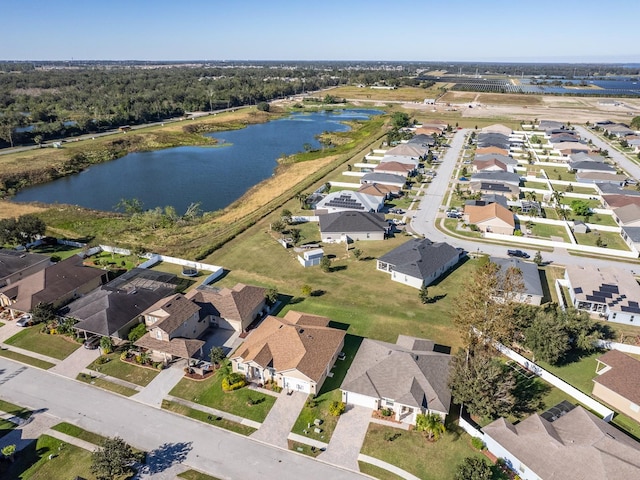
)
(213, 176)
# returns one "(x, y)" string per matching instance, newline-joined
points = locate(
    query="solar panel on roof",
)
(607, 287)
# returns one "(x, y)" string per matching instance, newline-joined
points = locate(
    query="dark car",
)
(517, 253)
(92, 343)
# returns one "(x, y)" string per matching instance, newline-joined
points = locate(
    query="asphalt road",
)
(425, 218)
(630, 167)
(215, 451)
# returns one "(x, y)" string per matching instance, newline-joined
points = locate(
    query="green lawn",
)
(536, 185)
(304, 448)
(185, 283)
(209, 392)
(611, 240)
(546, 230)
(598, 219)
(451, 224)
(566, 200)
(124, 371)
(59, 250)
(560, 174)
(55, 346)
(579, 374)
(195, 475)
(411, 451)
(75, 431)
(576, 189)
(107, 385)
(5, 425)
(207, 418)
(33, 462)
(19, 357)
(354, 293)
(377, 472)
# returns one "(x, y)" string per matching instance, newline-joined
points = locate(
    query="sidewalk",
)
(387, 466)
(212, 411)
(21, 437)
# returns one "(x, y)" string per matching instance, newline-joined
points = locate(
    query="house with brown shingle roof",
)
(174, 324)
(394, 168)
(408, 377)
(57, 284)
(231, 308)
(491, 165)
(296, 352)
(493, 218)
(618, 382)
(574, 446)
(492, 151)
(379, 190)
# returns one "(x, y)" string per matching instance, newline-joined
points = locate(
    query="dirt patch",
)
(9, 210)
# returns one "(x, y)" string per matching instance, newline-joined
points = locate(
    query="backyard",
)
(611, 240)
(546, 230)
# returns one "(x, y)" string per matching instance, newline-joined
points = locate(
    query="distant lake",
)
(213, 176)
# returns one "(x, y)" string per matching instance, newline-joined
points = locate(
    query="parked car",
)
(518, 253)
(25, 320)
(92, 343)
(463, 179)
(453, 215)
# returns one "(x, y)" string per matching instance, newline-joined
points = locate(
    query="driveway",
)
(76, 362)
(8, 330)
(160, 386)
(347, 438)
(279, 422)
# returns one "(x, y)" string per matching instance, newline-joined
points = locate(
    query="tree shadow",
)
(295, 300)
(529, 393)
(165, 456)
(317, 293)
(435, 298)
(338, 268)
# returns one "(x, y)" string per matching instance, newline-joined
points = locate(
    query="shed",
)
(311, 257)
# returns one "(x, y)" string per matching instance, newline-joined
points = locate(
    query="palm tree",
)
(431, 424)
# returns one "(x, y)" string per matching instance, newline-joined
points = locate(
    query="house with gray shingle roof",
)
(348, 200)
(351, 226)
(397, 181)
(532, 293)
(15, 265)
(418, 262)
(408, 377)
(500, 177)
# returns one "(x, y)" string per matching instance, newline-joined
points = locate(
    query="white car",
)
(25, 321)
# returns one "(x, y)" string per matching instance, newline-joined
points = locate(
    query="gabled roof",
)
(484, 164)
(576, 446)
(296, 342)
(172, 312)
(492, 150)
(586, 157)
(502, 177)
(177, 347)
(494, 187)
(623, 377)
(237, 303)
(612, 286)
(394, 167)
(530, 274)
(546, 124)
(407, 150)
(423, 140)
(377, 189)
(13, 261)
(388, 178)
(408, 372)
(506, 159)
(616, 201)
(591, 165)
(352, 222)
(497, 128)
(51, 284)
(420, 258)
(488, 212)
(611, 189)
(572, 147)
(601, 176)
(400, 159)
(629, 213)
(633, 233)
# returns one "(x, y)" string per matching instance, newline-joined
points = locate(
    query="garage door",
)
(362, 400)
(296, 385)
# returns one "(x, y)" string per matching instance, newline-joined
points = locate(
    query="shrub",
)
(233, 381)
(312, 403)
(477, 443)
(124, 355)
(337, 408)
(386, 412)
(101, 360)
(137, 332)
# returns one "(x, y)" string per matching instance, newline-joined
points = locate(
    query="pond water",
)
(213, 176)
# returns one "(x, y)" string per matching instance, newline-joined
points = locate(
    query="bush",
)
(386, 412)
(337, 408)
(101, 360)
(233, 381)
(137, 332)
(477, 443)
(124, 355)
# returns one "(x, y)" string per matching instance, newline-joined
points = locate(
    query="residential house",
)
(422, 140)
(491, 165)
(568, 149)
(589, 166)
(507, 160)
(559, 138)
(296, 352)
(410, 150)
(114, 308)
(395, 168)
(56, 284)
(631, 235)
(591, 177)
(486, 199)
(498, 188)
(493, 218)
(574, 446)
(418, 262)
(408, 377)
(629, 215)
(492, 151)
(346, 200)
(231, 308)
(580, 227)
(586, 157)
(551, 124)
(484, 140)
(611, 189)
(352, 226)
(173, 324)
(510, 178)
(614, 201)
(620, 130)
(532, 292)
(497, 128)
(378, 190)
(634, 144)
(397, 181)
(618, 382)
(413, 162)
(15, 265)
(610, 292)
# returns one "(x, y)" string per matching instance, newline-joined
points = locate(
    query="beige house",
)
(296, 352)
(492, 151)
(493, 218)
(618, 382)
(629, 215)
(497, 128)
(231, 308)
(174, 323)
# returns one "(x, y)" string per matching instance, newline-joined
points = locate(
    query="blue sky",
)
(420, 30)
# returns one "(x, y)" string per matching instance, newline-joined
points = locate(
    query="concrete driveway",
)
(160, 386)
(76, 362)
(279, 422)
(347, 438)
(8, 330)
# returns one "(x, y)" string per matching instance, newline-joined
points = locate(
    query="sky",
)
(400, 30)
